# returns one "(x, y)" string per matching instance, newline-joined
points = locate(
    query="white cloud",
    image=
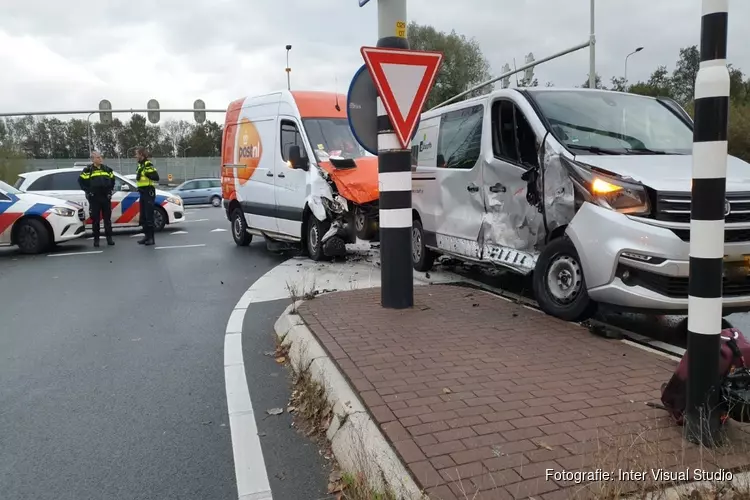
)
(65, 54)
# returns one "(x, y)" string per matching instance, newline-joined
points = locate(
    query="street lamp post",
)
(184, 163)
(626, 61)
(288, 69)
(592, 50)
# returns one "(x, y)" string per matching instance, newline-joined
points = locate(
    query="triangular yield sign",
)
(403, 78)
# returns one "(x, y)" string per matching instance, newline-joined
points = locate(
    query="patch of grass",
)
(312, 410)
(301, 291)
(356, 487)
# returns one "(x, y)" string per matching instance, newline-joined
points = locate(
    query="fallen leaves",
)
(335, 484)
(281, 359)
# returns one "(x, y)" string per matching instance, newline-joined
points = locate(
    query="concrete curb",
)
(357, 442)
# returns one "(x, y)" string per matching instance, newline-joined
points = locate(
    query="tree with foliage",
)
(464, 65)
(597, 82)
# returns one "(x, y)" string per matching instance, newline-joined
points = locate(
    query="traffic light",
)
(200, 116)
(153, 116)
(104, 116)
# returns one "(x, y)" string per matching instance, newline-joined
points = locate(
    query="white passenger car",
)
(587, 191)
(34, 223)
(63, 183)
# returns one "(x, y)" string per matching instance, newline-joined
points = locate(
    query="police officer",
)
(98, 182)
(146, 178)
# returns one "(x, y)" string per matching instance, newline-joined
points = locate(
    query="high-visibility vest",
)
(144, 168)
(97, 178)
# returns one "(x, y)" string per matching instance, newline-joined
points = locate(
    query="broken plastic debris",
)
(275, 411)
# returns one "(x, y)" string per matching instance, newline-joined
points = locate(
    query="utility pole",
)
(288, 69)
(707, 212)
(592, 50)
(394, 175)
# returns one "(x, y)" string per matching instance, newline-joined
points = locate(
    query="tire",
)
(422, 258)
(315, 231)
(559, 284)
(32, 236)
(216, 201)
(239, 229)
(364, 227)
(160, 219)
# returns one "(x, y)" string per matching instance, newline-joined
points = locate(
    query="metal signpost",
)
(403, 79)
(707, 212)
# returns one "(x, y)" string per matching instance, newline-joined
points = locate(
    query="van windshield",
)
(332, 137)
(588, 121)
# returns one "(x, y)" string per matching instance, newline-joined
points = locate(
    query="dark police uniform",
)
(146, 178)
(99, 183)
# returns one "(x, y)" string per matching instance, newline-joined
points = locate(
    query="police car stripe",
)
(5, 205)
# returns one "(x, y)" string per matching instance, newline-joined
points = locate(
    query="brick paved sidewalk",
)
(480, 394)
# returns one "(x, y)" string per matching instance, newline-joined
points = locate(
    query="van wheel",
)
(32, 236)
(364, 226)
(422, 258)
(239, 229)
(559, 285)
(315, 232)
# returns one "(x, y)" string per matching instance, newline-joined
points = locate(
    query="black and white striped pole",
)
(707, 212)
(394, 176)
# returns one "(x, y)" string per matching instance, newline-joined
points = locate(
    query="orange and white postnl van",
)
(292, 172)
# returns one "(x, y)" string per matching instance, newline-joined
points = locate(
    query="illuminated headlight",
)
(63, 211)
(174, 200)
(608, 192)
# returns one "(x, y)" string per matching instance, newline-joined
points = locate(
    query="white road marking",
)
(196, 220)
(179, 232)
(136, 235)
(180, 246)
(219, 230)
(249, 465)
(74, 253)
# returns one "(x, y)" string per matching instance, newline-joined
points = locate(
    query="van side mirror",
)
(296, 159)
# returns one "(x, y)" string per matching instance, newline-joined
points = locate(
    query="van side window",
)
(290, 136)
(460, 138)
(513, 139)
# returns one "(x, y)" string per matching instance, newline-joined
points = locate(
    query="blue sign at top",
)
(363, 2)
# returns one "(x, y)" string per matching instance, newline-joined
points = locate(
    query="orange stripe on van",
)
(312, 104)
(227, 152)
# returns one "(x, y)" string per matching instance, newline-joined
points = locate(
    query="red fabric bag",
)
(674, 392)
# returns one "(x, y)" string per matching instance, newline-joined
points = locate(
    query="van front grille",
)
(675, 207)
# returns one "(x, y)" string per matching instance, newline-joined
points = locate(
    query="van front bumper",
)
(631, 264)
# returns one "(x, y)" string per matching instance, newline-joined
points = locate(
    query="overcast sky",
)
(64, 54)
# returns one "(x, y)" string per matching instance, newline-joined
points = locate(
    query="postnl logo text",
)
(249, 150)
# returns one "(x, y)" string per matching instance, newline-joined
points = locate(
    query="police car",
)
(34, 222)
(126, 210)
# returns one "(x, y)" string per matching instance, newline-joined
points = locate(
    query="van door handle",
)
(497, 188)
(269, 174)
(472, 188)
(282, 174)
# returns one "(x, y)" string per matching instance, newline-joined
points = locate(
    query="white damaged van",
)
(588, 191)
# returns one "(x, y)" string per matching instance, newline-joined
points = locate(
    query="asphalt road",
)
(112, 369)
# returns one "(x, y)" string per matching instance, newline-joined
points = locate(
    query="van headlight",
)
(337, 206)
(608, 192)
(174, 200)
(63, 211)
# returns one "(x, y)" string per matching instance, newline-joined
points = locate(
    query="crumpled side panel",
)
(358, 185)
(559, 194)
(511, 222)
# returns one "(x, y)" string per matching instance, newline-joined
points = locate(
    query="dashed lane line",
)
(73, 253)
(179, 246)
(218, 230)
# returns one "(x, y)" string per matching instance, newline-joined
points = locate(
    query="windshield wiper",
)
(647, 151)
(597, 150)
